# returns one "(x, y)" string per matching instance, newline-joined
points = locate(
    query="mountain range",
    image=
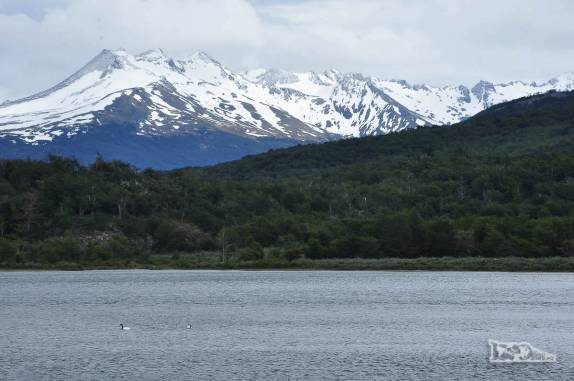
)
(154, 111)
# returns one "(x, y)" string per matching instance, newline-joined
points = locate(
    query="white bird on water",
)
(124, 328)
(188, 326)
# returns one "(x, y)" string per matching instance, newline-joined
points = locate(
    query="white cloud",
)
(428, 40)
(40, 51)
(3, 94)
(436, 41)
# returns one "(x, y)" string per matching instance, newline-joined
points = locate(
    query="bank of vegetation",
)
(497, 189)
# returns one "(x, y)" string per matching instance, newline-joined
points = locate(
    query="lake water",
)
(276, 325)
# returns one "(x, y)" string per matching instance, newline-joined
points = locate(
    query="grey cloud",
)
(433, 41)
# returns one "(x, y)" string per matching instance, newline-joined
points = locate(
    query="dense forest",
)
(498, 185)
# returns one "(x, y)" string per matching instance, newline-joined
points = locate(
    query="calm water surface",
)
(280, 325)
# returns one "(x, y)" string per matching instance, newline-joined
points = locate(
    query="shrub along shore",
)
(192, 262)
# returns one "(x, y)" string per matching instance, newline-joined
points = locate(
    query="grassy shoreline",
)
(504, 264)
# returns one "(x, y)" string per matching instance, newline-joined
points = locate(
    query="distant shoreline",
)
(476, 264)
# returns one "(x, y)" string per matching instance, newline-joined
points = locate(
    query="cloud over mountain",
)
(432, 41)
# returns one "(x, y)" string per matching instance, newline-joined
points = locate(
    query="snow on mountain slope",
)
(451, 104)
(161, 96)
(342, 104)
(438, 105)
(175, 95)
(518, 89)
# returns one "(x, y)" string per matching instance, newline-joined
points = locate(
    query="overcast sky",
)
(430, 41)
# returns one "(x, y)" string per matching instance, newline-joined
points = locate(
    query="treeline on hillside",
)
(524, 126)
(500, 184)
(447, 203)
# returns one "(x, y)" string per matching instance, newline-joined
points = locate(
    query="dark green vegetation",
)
(498, 185)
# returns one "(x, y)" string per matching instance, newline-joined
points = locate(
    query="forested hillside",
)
(499, 184)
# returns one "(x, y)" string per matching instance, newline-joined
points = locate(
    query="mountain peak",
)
(482, 91)
(105, 57)
(253, 75)
(105, 60)
(153, 54)
(271, 77)
(564, 81)
(483, 84)
(332, 74)
(201, 56)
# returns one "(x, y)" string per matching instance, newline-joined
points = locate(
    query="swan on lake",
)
(124, 328)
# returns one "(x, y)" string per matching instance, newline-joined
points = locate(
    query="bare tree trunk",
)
(29, 210)
(223, 245)
(121, 204)
(461, 189)
(92, 198)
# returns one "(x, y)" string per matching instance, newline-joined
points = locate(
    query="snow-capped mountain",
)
(202, 108)
(166, 97)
